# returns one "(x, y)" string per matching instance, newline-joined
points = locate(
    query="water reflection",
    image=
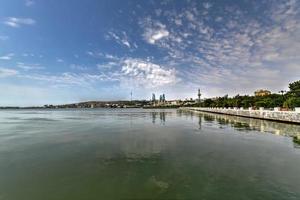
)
(154, 117)
(148, 154)
(246, 124)
(162, 117)
(200, 122)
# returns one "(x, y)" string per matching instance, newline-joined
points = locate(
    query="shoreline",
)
(277, 116)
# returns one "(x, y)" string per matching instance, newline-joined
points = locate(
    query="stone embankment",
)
(275, 115)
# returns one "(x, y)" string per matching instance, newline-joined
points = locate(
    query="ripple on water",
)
(40, 119)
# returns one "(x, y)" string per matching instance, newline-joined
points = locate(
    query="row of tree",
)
(289, 99)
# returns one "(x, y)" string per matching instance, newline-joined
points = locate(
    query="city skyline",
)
(60, 52)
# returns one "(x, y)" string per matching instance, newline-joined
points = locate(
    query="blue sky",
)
(54, 52)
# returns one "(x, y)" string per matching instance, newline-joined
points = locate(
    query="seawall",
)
(281, 116)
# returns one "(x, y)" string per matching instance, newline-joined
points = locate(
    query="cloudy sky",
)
(72, 50)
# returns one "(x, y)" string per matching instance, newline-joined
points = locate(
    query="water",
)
(145, 154)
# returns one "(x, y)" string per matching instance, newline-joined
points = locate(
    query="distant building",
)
(261, 93)
(174, 102)
(153, 97)
(162, 98)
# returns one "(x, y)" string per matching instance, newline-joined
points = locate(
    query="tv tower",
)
(199, 95)
(130, 95)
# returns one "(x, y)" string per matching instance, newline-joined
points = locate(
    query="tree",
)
(246, 103)
(292, 102)
(288, 99)
(208, 103)
(282, 92)
(294, 89)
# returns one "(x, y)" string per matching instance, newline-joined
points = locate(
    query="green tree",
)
(292, 102)
(288, 99)
(246, 103)
(294, 89)
(208, 103)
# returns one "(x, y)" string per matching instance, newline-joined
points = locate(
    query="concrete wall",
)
(285, 116)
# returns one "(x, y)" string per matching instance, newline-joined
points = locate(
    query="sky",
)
(64, 51)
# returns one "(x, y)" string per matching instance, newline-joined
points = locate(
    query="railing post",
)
(277, 109)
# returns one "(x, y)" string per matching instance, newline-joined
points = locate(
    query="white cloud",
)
(190, 16)
(207, 5)
(28, 54)
(127, 72)
(70, 79)
(64, 78)
(153, 35)
(105, 56)
(28, 67)
(78, 67)
(5, 72)
(239, 53)
(141, 73)
(59, 60)
(154, 31)
(18, 22)
(121, 38)
(112, 57)
(107, 65)
(126, 43)
(178, 22)
(218, 19)
(29, 2)
(7, 56)
(233, 51)
(90, 53)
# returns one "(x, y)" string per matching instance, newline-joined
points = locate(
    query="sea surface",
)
(136, 154)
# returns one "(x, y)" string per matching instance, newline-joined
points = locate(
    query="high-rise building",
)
(153, 97)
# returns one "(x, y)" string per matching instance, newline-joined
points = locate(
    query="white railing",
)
(275, 109)
(262, 113)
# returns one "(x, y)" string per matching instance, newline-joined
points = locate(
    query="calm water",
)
(145, 154)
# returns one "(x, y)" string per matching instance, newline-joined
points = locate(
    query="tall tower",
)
(153, 97)
(199, 95)
(131, 96)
